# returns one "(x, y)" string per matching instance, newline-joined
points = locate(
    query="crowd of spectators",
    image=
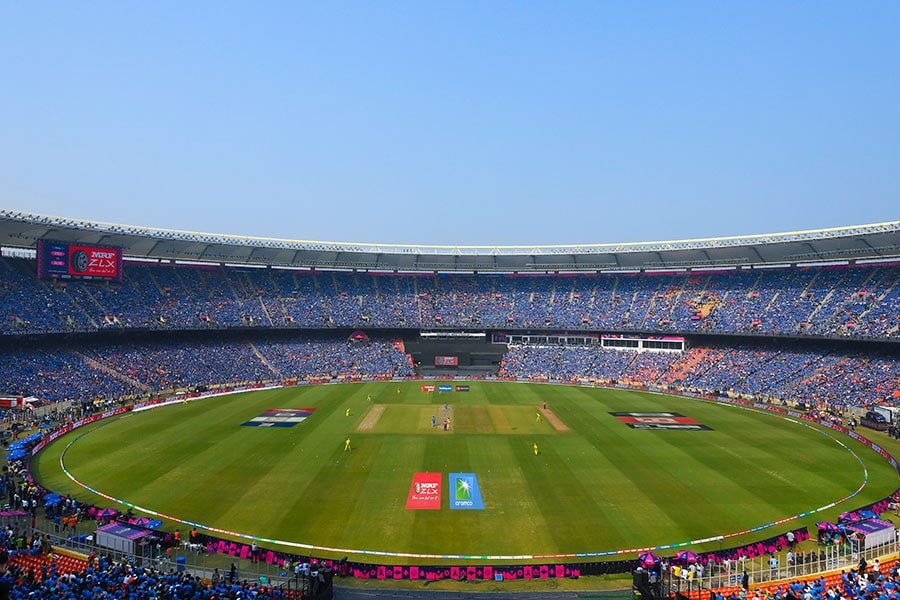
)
(100, 578)
(90, 372)
(55, 374)
(99, 371)
(872, 582)
(847, 301)
(830, 378)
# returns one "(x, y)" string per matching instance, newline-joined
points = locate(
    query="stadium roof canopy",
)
(880, 241)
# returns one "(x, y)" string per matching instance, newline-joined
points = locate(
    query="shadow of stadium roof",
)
(880, 241)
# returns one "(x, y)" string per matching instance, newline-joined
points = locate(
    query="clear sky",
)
(454, 122)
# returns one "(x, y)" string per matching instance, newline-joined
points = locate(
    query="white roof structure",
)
(880, 241)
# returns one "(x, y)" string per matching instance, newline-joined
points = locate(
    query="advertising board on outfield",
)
(660, 421)
(424, 492)
(280, 417)
(464, 492)
(462, 388)
(445, 388)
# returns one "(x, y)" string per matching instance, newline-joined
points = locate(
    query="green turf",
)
(596, 485)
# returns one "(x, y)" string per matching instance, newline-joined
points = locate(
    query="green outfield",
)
(594, 486)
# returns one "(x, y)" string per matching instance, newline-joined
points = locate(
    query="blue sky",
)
(470, 123)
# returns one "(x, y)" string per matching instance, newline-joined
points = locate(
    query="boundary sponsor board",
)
(425, 492)
(280, 417)
(660, 421)
(464, 492)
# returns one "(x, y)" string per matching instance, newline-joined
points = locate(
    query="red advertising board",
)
(12, 402)
(446, 361)
(86, 261)
(425, 492)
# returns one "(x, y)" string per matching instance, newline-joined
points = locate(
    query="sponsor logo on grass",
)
(464, 492)
(425, 492)
(280, 417)
(659, 420)
(445, 388)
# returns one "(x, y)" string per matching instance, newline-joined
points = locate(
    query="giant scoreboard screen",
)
(62, 260)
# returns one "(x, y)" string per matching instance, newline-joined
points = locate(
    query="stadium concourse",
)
(825, 336)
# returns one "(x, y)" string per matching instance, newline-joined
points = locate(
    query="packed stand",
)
(826, 377)
(846, 301)
(126, 370)
(44, 576)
